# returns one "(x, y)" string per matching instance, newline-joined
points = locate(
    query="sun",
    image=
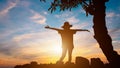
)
(57, 49)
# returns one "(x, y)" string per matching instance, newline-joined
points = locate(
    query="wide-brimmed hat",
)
(66, 24)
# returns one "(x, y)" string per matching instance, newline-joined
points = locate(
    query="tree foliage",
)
(63, 5)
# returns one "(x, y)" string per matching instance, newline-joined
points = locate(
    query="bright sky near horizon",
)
(23, 37)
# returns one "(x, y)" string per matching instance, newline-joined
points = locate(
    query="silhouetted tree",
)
(97, 9)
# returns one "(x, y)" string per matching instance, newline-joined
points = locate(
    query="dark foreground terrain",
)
(80, 62)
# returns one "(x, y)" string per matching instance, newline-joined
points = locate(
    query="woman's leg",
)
(64, 51)
(70, 54)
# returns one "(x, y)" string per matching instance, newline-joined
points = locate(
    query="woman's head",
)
(66, 25)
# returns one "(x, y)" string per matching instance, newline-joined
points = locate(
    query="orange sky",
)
(23, 37)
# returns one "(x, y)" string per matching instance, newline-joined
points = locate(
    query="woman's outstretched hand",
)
(87, 30)
(47, 26)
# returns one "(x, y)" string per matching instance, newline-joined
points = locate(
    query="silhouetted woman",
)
(67, 39)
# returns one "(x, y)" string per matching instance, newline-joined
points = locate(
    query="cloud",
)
(8, 48)
(72, 19)
(64, 15)
(113, 22)
(19, 48)
(68, 16)
(22, 37)
(24, 3)
(80, 25)
(38, 18)
(114, 33)
(41, 36)
(5, 11)
(9, 6)
(28, 46)
(45, 13)
(36, 44)
(112, 14)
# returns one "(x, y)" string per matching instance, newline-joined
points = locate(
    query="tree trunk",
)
(101, 33)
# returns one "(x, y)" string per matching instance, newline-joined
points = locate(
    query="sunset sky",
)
(23, 37)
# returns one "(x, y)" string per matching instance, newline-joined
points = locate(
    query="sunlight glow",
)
(57, 49)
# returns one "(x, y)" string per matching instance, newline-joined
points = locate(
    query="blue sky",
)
(23, 37)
